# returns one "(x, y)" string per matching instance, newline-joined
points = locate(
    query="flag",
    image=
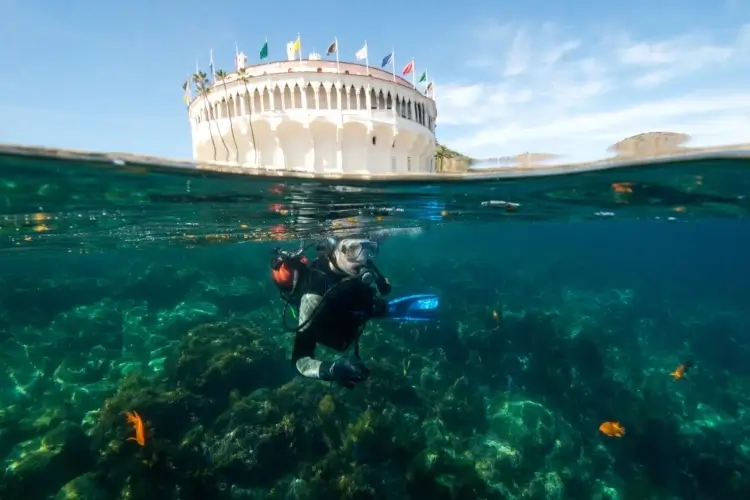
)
(429, 88)
(297, 45)
(333, 48)
(386, 60)
(186, 86)
(422, 77)
(408, 68)
(362, 53)
(264, 51)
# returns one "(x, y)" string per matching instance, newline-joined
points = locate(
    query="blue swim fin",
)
(414, 308)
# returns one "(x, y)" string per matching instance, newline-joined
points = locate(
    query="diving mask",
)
(358, 250)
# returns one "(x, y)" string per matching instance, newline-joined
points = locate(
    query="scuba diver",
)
(336, 294)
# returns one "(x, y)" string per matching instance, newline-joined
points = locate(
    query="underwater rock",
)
(166, 412)
(80, 329)
(526, 439)
(40, 466)
(546, 486)
(445, 475)
(462, 409)
(213, 360)
(251, 443)
(12, 428)
(184, 316)
(89, 397)
(84, 487)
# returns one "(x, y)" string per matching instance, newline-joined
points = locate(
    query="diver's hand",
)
(349, 371)
(384, 286)
(379, 308)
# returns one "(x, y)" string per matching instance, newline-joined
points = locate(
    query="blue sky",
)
(567, 78)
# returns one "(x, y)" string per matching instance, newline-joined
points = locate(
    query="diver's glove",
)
(384, 286)
(348, 371)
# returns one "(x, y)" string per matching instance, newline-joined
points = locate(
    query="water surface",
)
(566, 301)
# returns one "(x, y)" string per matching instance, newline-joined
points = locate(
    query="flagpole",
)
(393, 72)
(413, 74)
(336, 42)
(393, 63)
(300, 47)
(236, 55)
(367, 58)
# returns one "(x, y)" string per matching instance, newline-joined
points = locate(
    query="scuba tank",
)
(287, 268)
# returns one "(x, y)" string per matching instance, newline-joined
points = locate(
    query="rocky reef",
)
(502, 397)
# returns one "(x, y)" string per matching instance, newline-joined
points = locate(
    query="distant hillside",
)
(447, 160)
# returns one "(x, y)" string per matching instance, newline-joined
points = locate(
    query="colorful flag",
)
(333, 48)
(297, 45)
(386, 60)
(186, 86)
(422, 77)
(408, 68)
(362, 53)
(264, 51)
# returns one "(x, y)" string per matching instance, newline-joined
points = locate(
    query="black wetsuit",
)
(338, 320)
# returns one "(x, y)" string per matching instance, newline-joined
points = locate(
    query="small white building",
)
(316, 116)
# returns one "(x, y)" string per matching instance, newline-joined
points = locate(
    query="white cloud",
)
(542, 90)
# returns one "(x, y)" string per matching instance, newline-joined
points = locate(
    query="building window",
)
(320, 70)
(346, 72)
(393, 164)
(408, 163)
(374, 140)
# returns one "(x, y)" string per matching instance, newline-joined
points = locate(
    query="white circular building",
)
(316, 116)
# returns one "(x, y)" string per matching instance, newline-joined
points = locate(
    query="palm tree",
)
(203, 87)
(244, 78)
(222, 77)
(440, 156)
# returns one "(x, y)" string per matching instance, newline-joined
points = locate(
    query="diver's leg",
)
(304, 342)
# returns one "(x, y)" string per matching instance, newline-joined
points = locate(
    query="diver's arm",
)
(384, 286)
(303, 355)
(381, 282)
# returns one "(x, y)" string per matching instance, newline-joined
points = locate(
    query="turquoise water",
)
(565, 302)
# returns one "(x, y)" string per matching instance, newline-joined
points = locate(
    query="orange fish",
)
(681, 370)
(622, 187)
(612, 429)
(138, 427)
